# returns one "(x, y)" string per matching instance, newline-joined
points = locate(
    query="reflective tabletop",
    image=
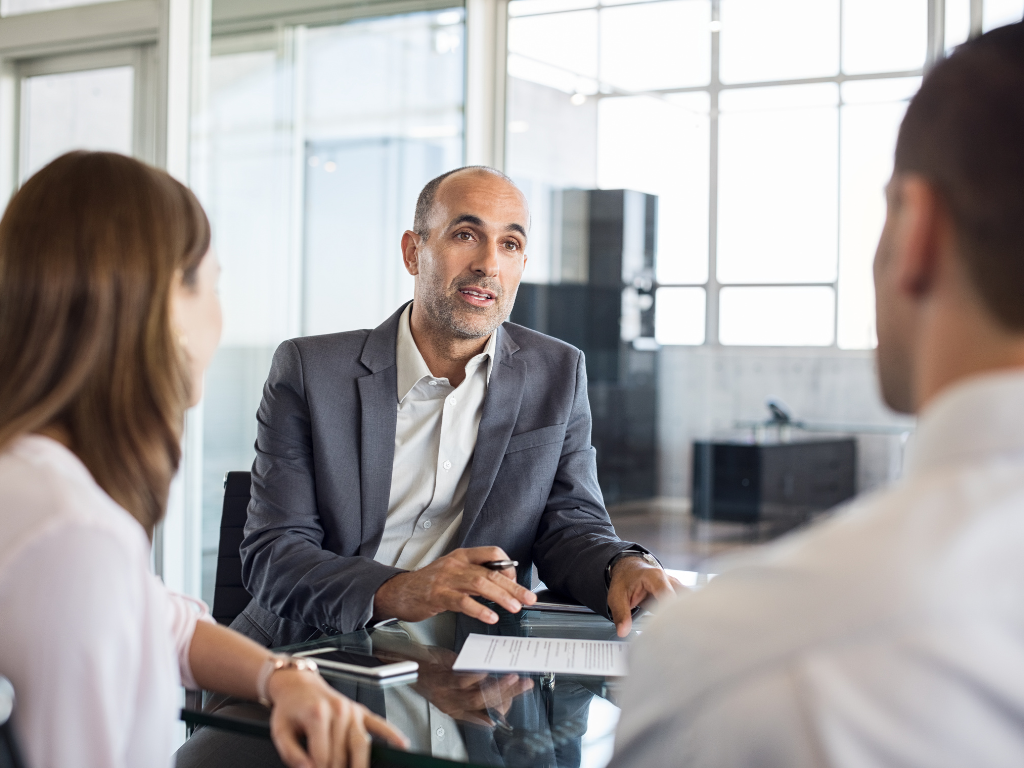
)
(474, 718)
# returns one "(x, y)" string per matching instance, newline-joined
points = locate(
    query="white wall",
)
(704, 391)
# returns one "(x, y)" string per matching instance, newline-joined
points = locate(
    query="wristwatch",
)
(271, 665)
(646, 556)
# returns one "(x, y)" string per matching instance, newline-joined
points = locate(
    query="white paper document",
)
(492, 653)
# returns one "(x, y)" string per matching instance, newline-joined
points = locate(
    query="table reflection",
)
(515, 721)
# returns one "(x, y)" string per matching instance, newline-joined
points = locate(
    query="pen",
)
(499, 565)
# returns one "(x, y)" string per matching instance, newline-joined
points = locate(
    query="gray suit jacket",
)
(322, 479)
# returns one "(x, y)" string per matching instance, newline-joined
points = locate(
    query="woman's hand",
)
(337, 730)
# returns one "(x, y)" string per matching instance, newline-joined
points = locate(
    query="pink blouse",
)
(95, 645)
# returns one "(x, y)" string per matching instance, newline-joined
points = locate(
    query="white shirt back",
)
(434, 443)
(890, 635)
(95, 645)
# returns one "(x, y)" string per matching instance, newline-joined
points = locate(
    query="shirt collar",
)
(411, 365)
(978, 418)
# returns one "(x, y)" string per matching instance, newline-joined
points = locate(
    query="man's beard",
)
(461, 319)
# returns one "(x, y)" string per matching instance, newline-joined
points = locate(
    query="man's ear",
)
(917, 236)
(411, 252)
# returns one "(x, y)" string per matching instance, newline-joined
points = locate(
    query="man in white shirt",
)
(892, 634)
(393, 463)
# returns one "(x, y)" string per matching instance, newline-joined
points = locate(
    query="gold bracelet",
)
(272, 665)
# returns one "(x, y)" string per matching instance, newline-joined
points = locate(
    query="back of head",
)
(964, 132)
(89, 249)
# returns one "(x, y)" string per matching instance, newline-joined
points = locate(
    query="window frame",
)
(712, 287)
(141, 58)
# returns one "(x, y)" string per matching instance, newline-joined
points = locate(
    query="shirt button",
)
(451, 400)
(432, 383)
(440, 733)
(447, 465)
(426, 523)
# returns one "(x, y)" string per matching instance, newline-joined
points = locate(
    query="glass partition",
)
(318, 142)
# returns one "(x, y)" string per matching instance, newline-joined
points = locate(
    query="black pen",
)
(499, 565)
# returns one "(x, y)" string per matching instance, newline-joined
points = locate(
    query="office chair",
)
(10, 756)
(229, 596)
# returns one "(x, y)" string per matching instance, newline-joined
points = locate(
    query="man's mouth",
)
(478, 297)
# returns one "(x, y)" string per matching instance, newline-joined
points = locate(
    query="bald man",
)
(392, 463)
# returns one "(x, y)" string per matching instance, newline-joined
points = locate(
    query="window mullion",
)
(936, 32)
(711, 305)
(839, 187)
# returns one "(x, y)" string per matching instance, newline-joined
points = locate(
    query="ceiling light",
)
(578, 99)
(715, 26)
(330, 167)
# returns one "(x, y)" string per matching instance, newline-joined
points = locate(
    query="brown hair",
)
(89, 248)
(964, 132)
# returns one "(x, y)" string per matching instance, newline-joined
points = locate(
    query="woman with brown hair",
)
(108, 317)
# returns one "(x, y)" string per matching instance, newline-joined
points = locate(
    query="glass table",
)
(451, 718)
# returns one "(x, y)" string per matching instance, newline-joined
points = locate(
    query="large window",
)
(64, 109)
(765, 128)
(316, 145)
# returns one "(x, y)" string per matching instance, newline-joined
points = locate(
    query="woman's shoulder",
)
(46, 491)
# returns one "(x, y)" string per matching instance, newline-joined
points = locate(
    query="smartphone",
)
(359, 664)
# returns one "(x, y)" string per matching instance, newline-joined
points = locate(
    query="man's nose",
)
(486, 262)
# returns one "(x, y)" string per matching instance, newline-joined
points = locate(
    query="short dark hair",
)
(425, 202)
(964, 132)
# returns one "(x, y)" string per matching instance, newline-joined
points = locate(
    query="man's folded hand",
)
(449, 584)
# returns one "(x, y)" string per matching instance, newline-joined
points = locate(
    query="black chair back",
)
(229, 596)
(10, 756)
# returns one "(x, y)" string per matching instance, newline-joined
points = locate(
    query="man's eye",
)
(512, 245)
(464, 236)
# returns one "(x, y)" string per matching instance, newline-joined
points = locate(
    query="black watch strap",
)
(645, 555)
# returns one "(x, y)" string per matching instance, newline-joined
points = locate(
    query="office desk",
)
(451, 718)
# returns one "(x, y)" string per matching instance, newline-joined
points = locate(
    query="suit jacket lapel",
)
(378, 399)
(501, 410)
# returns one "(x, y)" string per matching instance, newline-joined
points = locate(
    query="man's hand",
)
(472, 697)
(336, 730)
(633, 581)
(449, 584)
(466, 696)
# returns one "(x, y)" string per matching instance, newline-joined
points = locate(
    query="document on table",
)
(493, 653)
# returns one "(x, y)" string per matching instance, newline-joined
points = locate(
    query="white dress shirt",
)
(890, 635)
(429, 730)
(434, 442)
(435, 438)
(95, 645)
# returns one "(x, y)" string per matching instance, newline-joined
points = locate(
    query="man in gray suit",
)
(392, 463)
